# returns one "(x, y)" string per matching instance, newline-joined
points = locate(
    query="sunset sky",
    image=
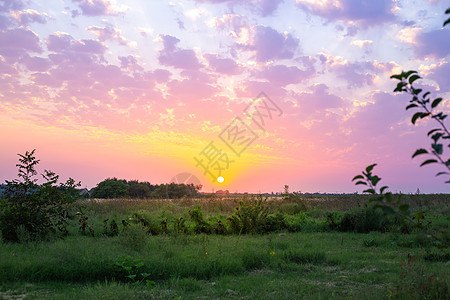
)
(144, 89)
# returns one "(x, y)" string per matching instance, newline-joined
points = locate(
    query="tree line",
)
(121, 188)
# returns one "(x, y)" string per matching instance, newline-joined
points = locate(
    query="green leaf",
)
(417, 91)
(436, 102)
(132, 276)
(375, 179)
(429, 161)
(400, 87)
(358, 177)
(419, 152)
(442, 173)
(409, 73)
(361, 182)
(433, 131)
(446, 22)
(426, 94)
(403, 207)
(415, 117)
(411, 106)
(383, 188)
(370, 191)
(447, 11)
(398, 76)
(437, 148)
(437, 136)
(413, 78)
(370, 168)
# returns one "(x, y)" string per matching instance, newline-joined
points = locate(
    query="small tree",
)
(35, 211)
(111, 188)
(139, 190)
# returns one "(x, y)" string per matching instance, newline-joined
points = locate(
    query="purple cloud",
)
(16, 42)
(93, 8)
(357, 74)
(365, 12)
(178, 58)
(29, 16)
(269, 44)
(434, 43)
(59, 42)
(107, 33)
(318, 100)
(264, 7)
(284, 75)
(37, 64)
(224, 66)
(376, 118)
(10, 5)
(441, 75)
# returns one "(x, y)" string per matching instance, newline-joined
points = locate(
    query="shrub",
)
(111, 188)
(31, 211)
(366, 219)
(251, 216)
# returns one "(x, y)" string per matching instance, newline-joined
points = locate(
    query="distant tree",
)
(111, 188)
(176, 190)
(139, 190)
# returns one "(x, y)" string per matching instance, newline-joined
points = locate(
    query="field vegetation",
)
(328, 247)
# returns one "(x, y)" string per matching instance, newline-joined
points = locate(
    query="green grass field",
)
(308, 261)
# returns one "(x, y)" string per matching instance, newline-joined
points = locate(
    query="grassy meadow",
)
(188, 249)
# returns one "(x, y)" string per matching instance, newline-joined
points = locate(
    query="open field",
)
(304, 260)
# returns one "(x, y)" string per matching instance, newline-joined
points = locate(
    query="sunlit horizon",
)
(139, 91)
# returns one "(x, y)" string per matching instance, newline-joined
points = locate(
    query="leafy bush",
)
(33, 211)
(200, 224)
(250, 217)
(366, 219)
(111, 188)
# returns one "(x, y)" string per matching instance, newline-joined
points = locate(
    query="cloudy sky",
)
(262, 92)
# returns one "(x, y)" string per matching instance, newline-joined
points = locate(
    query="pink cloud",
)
(36, 63)
(93, 8)
(108, 33)
(263, 7)
(196, 86)
(365, 12)
(16, 42)
(441, 75)
(59, 42)
(7, 68)
(284, 75)
(269, 44)
(434, 43)
(224, 66)
(359, 73)
(178, 58)
(376, 118)
(317, 100)
(10, 5)
(28, 16)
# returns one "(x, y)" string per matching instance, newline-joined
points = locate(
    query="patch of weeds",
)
(305, 257)
(252, 260)
(370, 243)
(416, 283)
(130, 267)
(134, 237)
